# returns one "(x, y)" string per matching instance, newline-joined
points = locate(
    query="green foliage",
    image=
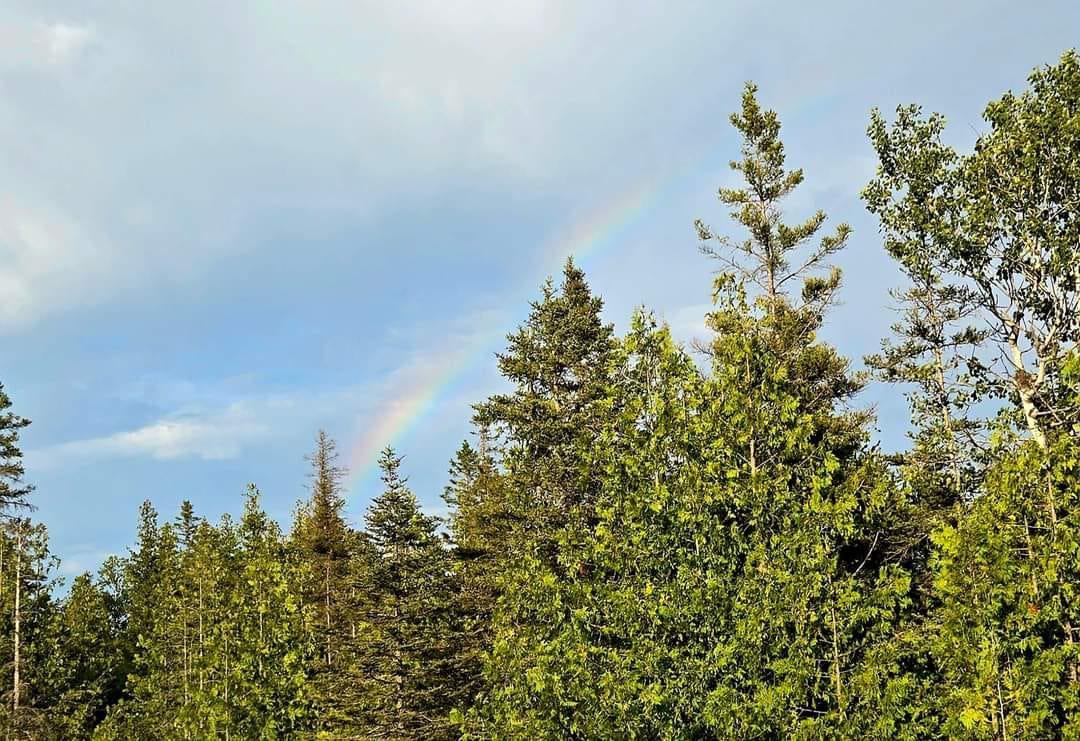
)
(1006, 574)
(324, 544)
(26, 582)
(222, 653)
(83, 663)
(405, 632)
(647, 545)
(764, 257)
(1001, 228)
(559, 361)
(13, 490)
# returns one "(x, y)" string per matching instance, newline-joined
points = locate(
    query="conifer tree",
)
(13, 490)
(84, 661)
(816, 589)
(559, 362)
(617, 660)
(936, 352)
(26, 582)
(324, 544)
(773, 254)
(480, 527)
(405, 639)
(136, 580)
(268, 668)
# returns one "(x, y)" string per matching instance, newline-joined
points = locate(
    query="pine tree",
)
(937, 354)
(764, 258)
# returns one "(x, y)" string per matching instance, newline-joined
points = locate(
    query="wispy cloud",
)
(65, 41)
(213, 435)
(206, 426)
(46, 261)
(29, 42)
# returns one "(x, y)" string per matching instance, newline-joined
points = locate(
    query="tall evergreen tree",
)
(480, 528)
(26, 582)
(83, 661)
(559, 361)
(324, 543)
(405, 638)
(773, 254)
(13, 490)
(268, 666)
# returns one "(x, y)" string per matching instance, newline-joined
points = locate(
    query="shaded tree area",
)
(646, 541)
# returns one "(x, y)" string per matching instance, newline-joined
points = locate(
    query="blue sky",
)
(225, 225)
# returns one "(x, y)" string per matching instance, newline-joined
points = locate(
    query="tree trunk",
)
(16, 685)
(1025, 389)
(326, 595)
(946, 417)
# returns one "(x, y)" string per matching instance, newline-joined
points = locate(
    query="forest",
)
(653, 541)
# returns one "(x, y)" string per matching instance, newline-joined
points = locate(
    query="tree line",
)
(648, 541)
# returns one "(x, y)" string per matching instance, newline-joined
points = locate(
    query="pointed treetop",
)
(13, 490)
(774, 253)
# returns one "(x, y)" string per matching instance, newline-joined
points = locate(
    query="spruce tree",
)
(324, 545)
(480, 527)
(84, 660)
(625, 655)
(405, 640)
(26, 582)
(13, 490)
(322, 537)
(559, 362)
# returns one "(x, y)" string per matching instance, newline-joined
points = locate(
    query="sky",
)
(224, 226)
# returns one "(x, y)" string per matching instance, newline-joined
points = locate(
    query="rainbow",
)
(600, 229)
(425, 387)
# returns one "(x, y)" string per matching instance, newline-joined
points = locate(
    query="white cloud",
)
(195, 129)
(198, 125)
(65, 41)
(215, 435)
(44, 256)
(206, 426)
(30, 43)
